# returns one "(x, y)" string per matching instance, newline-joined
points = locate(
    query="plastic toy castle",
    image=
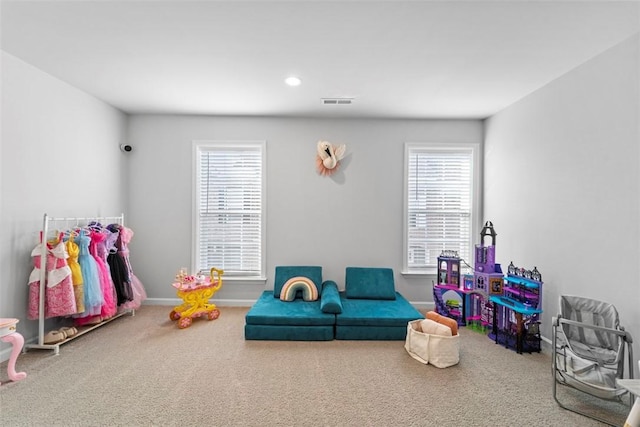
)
(508, 308)
(467, 300)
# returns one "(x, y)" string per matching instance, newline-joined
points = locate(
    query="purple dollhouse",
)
(516, 320)
(487, 280)
(508, 307)
(448, 293)
(488, 275)
(449, 268)
(467, 300)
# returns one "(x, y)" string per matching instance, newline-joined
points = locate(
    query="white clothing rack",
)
(51, 223)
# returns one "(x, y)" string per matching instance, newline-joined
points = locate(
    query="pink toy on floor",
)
(8, 334)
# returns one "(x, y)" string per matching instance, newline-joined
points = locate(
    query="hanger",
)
(70, 234)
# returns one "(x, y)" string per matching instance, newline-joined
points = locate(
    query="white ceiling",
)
(397, 59)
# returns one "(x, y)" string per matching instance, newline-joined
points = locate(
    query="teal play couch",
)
(368, 309)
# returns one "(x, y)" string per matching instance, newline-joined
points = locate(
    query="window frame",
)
(259, 145)
(409, 148)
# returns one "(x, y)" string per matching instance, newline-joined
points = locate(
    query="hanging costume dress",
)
(92, 292)
(76, 272)
(103, 253)
(59, 296)
(139, 294)
(119, 271)
(97, 250)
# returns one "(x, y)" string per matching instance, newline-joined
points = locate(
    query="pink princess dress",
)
(97, 248)
(104, 250)
(59, 296)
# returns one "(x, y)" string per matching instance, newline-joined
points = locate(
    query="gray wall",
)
(351, 219)
(59, 156)
(562, 183)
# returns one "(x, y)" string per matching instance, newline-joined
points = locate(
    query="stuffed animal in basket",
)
(452, 324)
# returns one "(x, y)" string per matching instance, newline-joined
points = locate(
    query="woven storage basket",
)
(438, 350)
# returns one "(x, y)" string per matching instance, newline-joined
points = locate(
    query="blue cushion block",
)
(370, 283)
(268, 310)
(288, 333)
(330, 299)
(373, 313)
(284, 273)
(365, 319)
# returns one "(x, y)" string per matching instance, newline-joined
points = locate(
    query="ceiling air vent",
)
(337, 101)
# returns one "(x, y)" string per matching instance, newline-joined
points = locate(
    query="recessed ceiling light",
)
(293, 81)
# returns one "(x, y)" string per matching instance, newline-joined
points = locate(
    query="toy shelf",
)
(452, 308)
(521, 292)
(529, 283)
(478, 319)
(514, 305)
(450, 287)
(517, 313)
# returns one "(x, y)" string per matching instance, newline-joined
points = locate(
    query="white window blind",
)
(230, 207)
(439, 205)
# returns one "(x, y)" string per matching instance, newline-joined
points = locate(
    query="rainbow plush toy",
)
(295, 284)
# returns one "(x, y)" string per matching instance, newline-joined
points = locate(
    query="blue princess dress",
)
(93, 298)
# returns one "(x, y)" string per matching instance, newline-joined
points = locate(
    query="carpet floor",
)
(143, 371)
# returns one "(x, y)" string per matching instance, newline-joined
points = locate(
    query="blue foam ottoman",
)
(298, 320)
(270, 318)
(371, 307)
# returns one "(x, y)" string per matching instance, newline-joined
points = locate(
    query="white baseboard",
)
(427, 305)
(4, 355)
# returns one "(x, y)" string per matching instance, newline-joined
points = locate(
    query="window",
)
(229, 207)
(441, 182)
